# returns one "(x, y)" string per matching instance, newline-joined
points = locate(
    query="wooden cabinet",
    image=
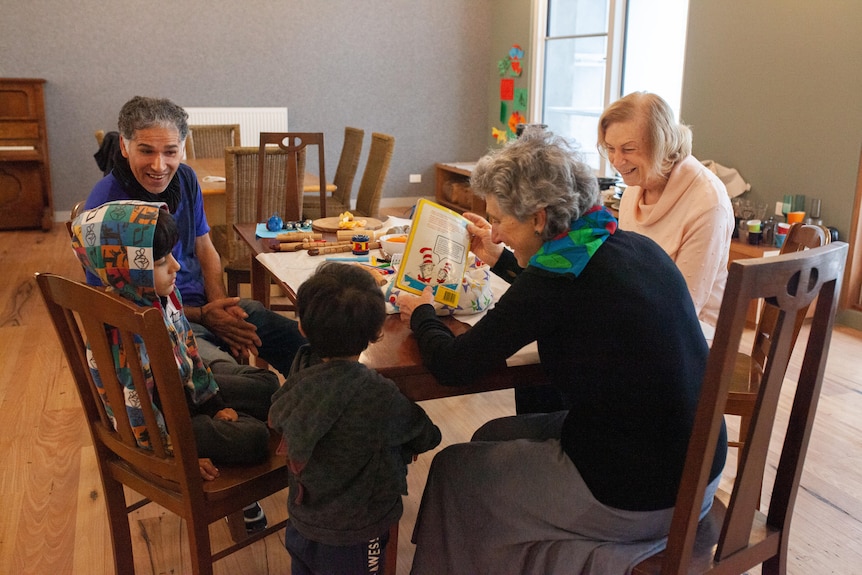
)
(25, 178)
(453, 188)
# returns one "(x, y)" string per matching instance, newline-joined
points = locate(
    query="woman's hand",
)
(226, 414)
(480, 239)
(408, 302)
(226, 320)
(208, 470)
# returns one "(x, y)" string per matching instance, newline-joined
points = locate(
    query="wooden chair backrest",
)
(800, 237)
(374, 176)
(790, 282)
(294, 145)
(210, 140)
(348, 164)
(80, 314)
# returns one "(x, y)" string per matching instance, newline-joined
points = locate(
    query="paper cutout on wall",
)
(515, 55)
(500, 135)
(519, 101)
(515, 119)
(504, 112)
(507, 89)
(503, 66)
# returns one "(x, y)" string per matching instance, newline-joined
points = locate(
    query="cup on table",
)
(754, 226)
(779, 240)
(782, 229)
(795, 217)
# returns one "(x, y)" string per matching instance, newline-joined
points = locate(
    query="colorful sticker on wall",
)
(504, 112)
(515, 119)
(515, 56)
(507, 89)
(503, 66)
(519, 100)
(500, 135)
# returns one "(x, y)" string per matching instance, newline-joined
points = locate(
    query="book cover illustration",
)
(436, 253)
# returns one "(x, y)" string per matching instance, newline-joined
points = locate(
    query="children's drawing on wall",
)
(513, 101)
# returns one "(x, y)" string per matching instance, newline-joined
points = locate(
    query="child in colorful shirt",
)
(128, 245)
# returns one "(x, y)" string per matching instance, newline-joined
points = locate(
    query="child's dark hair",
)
(341, 309)
(166, 235)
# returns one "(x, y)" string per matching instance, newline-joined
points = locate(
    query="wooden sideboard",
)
(452, 188)
(25, 177)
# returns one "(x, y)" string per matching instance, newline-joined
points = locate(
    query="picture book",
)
(436, 253)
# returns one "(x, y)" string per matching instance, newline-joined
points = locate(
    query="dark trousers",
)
(248, 390)
(311, 558)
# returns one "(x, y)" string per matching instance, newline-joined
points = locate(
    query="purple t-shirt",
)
(191, 222)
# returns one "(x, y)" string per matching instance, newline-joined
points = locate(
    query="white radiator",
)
(252, 121)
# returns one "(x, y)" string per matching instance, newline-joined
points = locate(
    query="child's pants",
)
(311, 558)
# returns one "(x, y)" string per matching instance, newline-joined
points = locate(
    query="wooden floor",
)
(52, 519)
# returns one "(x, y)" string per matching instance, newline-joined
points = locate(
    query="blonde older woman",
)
(670, 196)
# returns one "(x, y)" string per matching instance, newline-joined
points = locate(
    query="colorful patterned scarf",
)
(569, 252)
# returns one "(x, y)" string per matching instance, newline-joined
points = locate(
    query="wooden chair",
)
(749, 368)
(210, 140)
(345, 173)
(735, 537)
(294, 145)
(241, 205)
(374, 176)
(166, 474)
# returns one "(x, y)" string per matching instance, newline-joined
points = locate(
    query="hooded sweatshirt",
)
(115, 242)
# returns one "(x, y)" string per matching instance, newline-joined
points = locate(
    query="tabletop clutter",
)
(756, 228)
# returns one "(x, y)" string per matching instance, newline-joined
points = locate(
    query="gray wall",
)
(415, 69)
(774, 89)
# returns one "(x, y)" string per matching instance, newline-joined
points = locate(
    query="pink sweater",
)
(693, 222)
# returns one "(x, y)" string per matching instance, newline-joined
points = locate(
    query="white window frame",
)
(613, 59)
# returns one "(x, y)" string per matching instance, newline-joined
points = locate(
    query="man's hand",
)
(226, 320)
(408, 302)
(480, 239)
(208, 470)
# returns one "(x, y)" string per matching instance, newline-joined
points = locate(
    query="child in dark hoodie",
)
(128, 245)
(348, 431)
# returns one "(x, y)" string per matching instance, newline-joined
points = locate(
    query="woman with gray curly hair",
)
(671, 197)
(620, 342)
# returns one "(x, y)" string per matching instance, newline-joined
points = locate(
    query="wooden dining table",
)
(396, 355)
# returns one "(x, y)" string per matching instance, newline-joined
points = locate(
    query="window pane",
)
(576, 17)
(655, 48)
(574, 90)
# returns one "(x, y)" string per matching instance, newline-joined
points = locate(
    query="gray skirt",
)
(511, 501)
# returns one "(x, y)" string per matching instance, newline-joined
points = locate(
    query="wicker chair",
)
(371, 186)
(344, 176)
(241, 205)
(210, 140)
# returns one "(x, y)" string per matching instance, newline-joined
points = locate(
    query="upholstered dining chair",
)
(750, 367)
(735, 536)
(241, 204)
(345, 173)
(167, 473)
(210, 140)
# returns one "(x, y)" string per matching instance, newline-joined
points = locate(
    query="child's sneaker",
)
(255, 520)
